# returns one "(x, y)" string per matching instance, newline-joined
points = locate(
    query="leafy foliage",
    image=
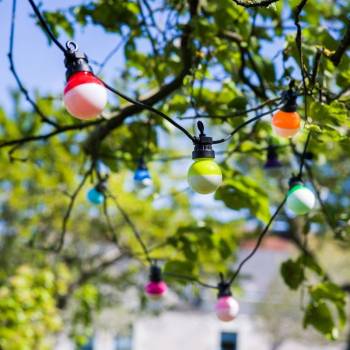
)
(214, 59)
(28, 311)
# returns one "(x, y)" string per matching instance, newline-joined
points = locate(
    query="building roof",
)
(269, 243)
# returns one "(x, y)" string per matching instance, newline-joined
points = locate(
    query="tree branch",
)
(259, 91)
(87, 275)
(344, 45)
(298, 40)
(253, 3)
(15, 74)
(44, 137)
(100, 133)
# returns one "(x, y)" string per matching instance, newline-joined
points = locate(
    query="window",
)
(229, 341)
(123, 342)
(88, 346)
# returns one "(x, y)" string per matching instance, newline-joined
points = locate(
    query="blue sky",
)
(41, 66)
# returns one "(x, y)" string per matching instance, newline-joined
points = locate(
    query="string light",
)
(272, 161)
(204, 175)
(156, 287)
(287, 122)
(226, 307)
(85, 96)
(300, 200)
(142, 177)
(96, 194)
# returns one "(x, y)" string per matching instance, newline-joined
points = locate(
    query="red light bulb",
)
(85, 96)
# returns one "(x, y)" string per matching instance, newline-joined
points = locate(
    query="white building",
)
(195, 327)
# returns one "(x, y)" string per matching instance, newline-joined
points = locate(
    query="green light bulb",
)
(204, 176)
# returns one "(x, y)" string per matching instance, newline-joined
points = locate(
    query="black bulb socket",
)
(271, 152)
(101, 187)
(141, 165)
(155, 274)
(203, 148)
(75, 61)
(203, 144)
(289, 99)
(224, 289)
(294, 181)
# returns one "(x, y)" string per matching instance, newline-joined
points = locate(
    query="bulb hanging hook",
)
(202, 144)
(71, 46)
(200, 127)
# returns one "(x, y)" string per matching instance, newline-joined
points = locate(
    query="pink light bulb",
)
(226, 308)
(85, 96)
(156, 290)
(156, 287)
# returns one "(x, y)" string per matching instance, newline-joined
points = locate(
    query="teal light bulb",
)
(95, 196)
(300, 199)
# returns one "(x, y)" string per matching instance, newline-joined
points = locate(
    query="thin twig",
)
(112, 53)
(43, 137)
(109, 223)
(298, 40)
(344, 45)
(46, 27)
(131, 224)
(67, 216)
(13, 70)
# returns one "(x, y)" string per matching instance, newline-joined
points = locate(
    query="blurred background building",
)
(270, 316)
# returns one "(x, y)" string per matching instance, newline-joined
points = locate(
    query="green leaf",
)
(320, 317)
(293, 273)
(328, 290)
(179, 267)
(311, 264)
(239, 103)
(242, 192)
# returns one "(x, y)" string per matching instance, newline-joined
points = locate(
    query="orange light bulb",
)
(286, 124)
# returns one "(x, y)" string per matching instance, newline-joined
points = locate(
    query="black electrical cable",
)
(131, 100)
(291, 87)
(139, 103)
(189, 278)
(46, 27)
(193, 139)
(302, 160)
(259, 241)
(243, 125)
(150, 108)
